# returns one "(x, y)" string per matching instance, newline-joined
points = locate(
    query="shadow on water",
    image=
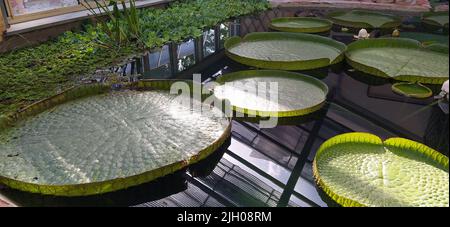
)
(155, 190)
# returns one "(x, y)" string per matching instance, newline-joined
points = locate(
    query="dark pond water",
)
(267, 167)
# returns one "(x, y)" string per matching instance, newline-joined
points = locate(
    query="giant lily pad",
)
(359, 169)
(413, 90)
(282, 50)
(401, 59)
(105, 142)
(250, 92)
(364, 19)
(301, 24)
(436, 19)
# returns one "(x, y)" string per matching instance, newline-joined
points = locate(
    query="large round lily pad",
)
(271, 93)
(424, 38)
(400, 59)
(301, 24)
(364, 19)
(106, 142)
(287, 51)
(436, 19)
(359, 169)
(412, 90)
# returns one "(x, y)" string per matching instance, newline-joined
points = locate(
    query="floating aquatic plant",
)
(38, 72)
(286, 51)
(359, 169)
(301, 24)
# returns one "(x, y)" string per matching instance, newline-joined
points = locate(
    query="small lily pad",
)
(412, 90)
(301, 24)
(107, 141)
(359, 169)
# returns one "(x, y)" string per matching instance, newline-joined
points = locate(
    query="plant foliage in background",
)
(31, 74)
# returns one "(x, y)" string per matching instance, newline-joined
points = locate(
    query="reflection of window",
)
(21, 7)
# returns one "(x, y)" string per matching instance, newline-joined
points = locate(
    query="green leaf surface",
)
(359, 169)
(271, 93)
(401, 59)
(364, 19)
(301, 24)
(425, 38)
(287, 51)
(436, 18)
(106, 142)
